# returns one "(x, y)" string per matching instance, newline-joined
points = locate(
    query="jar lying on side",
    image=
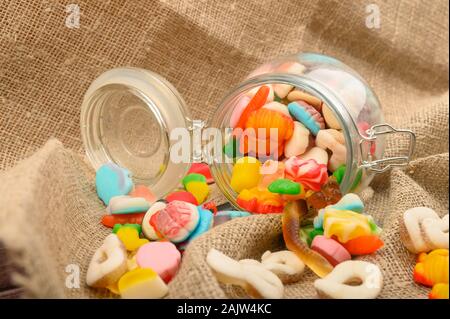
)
(327, 122)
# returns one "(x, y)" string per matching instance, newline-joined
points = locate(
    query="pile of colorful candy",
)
(288, 143)
(143, 252)
(423, 231)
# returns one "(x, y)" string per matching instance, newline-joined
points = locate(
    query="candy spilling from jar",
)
(285, 144)
(143, 252)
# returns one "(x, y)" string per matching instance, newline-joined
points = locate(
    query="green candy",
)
(276, 98)
(312, 234)
(193, 177)
(304, 233)
(340, 172)
(284, 186)
(119, 226)
(231, 148)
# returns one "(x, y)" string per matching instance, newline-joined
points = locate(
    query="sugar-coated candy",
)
(256, 280)
(142, 283)
(205, 223)
(196, 185)
(345, 224)
(224, 216)
(260, 201)
(293, 214)
(334, 141)
(329, 194)
(307, 115)
(297, 95)
(256, 102)
(299, 141)
(316, 153)
(112, 180)
(270, 171)
(432, 268)
(285, 264)
(308, 173)
(285, 186)
(421, 230)
(329, 117)
(439, 291)
(111, 220)
(333, 251)
(162, 256)
(245, 174)
(127, 205)
(338, 284)
(238, 109)
(182, 196)
(147, 228)
(108, 264)
(143, 192)
(278, 107)
(203, 169)
(363, 245)
(351, 202)
(176, 221)
(130, 237)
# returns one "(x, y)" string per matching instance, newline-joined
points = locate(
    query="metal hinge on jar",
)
(383, 164)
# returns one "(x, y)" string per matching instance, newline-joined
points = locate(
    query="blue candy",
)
(318, 220)
(205, 223)
(112, 180)
(303, 116)
(351, 202)
(226, 215)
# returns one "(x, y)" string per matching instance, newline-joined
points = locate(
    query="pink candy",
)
(163, 257)
(329, 248)
(306, 172)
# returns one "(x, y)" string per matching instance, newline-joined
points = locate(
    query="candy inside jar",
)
(293, 124)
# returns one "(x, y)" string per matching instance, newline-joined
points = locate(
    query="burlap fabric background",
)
(49, 212)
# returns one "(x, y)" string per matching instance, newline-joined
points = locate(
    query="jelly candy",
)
(265, 120)
(231, 149)
(432, 268)
(307, 115)
(108, 264)
(238, 109)
(278, 107)
(182, 196)
(119, 226)
(363, 245)
(258, 100)
(338, 284)
(299, 141)
(307, 234)
(308, 173)
(297, 95)
(318, 220)
(176, 221)
(260, 201)
(203, 169)
(328, 195)
(316, 153)
(163, 257)
(205, 223)
(333, 251)
(439, 291)
(340, 172)
(285, 264)
(292, 216)
(127, 205)
(262, 148)
(211, 206)
(285, 186)
(351, 202)
(329, 117)
(111, 220)
(142, 283)
(335, 142)
(130, 237)
(147, 229)
(143, 192)
(197, 186)
(224, 216)
(245, 173)
(345, 224)
(112, 180)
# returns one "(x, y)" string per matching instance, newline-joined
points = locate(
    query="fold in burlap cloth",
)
(49, 211)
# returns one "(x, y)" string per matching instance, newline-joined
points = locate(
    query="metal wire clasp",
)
(383, 164)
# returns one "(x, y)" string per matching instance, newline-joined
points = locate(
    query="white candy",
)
(329, 118)
(127, 204)
(334, 141)
(147, 229)
(277, 106)
(299, 141)
(316, 153)
(285, 264)
(335, 284)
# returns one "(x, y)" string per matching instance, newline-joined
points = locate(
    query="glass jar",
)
(129, 115)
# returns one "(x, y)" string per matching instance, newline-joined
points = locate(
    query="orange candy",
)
(363, 245)
(258, 100)
(144, 192)
(249, 144)
(259, 201)
(111, 220)
(269, 119)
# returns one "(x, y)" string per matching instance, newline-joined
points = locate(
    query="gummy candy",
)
(182, 196)
(162, 257)
(439, 291)
(112, 180)
(263, 148)
(285, 186)
(231, 149)
(270, 171)
(351, 202)
(293, 214)
(309, 173)
(203, 169)
(143, 192)
(307, 115)
(328, 195)
(299, 141)
(345, 224)
(266, 120)
(432, 268)
(363, 245)
(339, 175)
(260, 201)
(119, 226)
(142, 283)
(111, 220)
(258, 100)
(333, 251)
(130, 237)
(224, 216)
(196, 185)
(245, 173)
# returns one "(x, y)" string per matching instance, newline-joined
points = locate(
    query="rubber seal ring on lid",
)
(383, 164)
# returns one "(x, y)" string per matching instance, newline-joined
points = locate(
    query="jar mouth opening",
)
(221, 118)
(127, 117)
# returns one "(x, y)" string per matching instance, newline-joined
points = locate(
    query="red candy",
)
(363, 245)
(111, 220)
(201, 168)
(182, 196)
(306, 172)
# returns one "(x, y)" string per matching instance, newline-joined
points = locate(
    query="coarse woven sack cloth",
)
(49, 211)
